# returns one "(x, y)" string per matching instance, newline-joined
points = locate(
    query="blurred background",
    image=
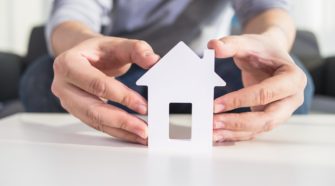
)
(21, 42)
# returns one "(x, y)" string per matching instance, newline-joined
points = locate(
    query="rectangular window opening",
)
(180, 127)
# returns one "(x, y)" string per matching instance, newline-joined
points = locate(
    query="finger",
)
(247, 121)
(78, 71)
(227, 135)
(225, 47)
(124, 135)
(97, 114)
(286, 82)
(286, 107)
(138, 52)
(274, 114)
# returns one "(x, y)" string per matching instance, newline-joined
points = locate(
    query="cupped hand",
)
(273, 87)
(84, 78)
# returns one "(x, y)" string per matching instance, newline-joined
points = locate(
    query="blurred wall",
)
(319, 17)
(18, 16)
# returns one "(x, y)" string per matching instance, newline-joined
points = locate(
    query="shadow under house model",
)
(181, 77)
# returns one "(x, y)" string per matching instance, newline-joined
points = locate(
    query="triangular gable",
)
(171, 59)
(182, 62)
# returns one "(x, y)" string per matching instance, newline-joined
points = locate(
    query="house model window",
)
(181, 131)
(181, 76)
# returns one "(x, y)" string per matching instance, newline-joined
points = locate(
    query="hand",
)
(273, 87)
(84, 78)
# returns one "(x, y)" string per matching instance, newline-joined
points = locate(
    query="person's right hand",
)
(84, 78)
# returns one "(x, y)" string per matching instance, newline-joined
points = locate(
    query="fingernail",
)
(147, 54)
(141, 141)
(217, 137)
(221, 140)
(218, 108)
(142, 108)
(142, 133)
(145, 133)
(218, 124)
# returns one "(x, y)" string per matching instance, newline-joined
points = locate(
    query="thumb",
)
(142, 54)
(225, 47)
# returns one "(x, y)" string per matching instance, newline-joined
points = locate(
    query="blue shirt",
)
(162, 23)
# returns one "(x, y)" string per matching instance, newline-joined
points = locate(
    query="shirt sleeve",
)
(247, 9)
(93, 13)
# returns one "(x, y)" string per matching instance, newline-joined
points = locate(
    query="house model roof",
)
(181, 66)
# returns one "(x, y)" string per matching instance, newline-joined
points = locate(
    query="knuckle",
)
(61, 65)
(94, 116)
(98, 87)
(236, 102)
(126, 100)
(265, 95)
(138, 45)
(238, 125)
(54, 88)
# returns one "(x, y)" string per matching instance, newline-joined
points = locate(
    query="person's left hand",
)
(273, 87)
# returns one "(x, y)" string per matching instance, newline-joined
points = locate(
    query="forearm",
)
(274, 23)
(69, 34)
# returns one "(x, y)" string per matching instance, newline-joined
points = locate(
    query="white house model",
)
(181, 77)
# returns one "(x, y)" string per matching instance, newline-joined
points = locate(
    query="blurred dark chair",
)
(305, 47)
(11, 68)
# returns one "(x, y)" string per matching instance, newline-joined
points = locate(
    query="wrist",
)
(70, 34)
(274, 24)
(278, 35)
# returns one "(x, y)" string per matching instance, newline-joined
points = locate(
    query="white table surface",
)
(56, 149)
